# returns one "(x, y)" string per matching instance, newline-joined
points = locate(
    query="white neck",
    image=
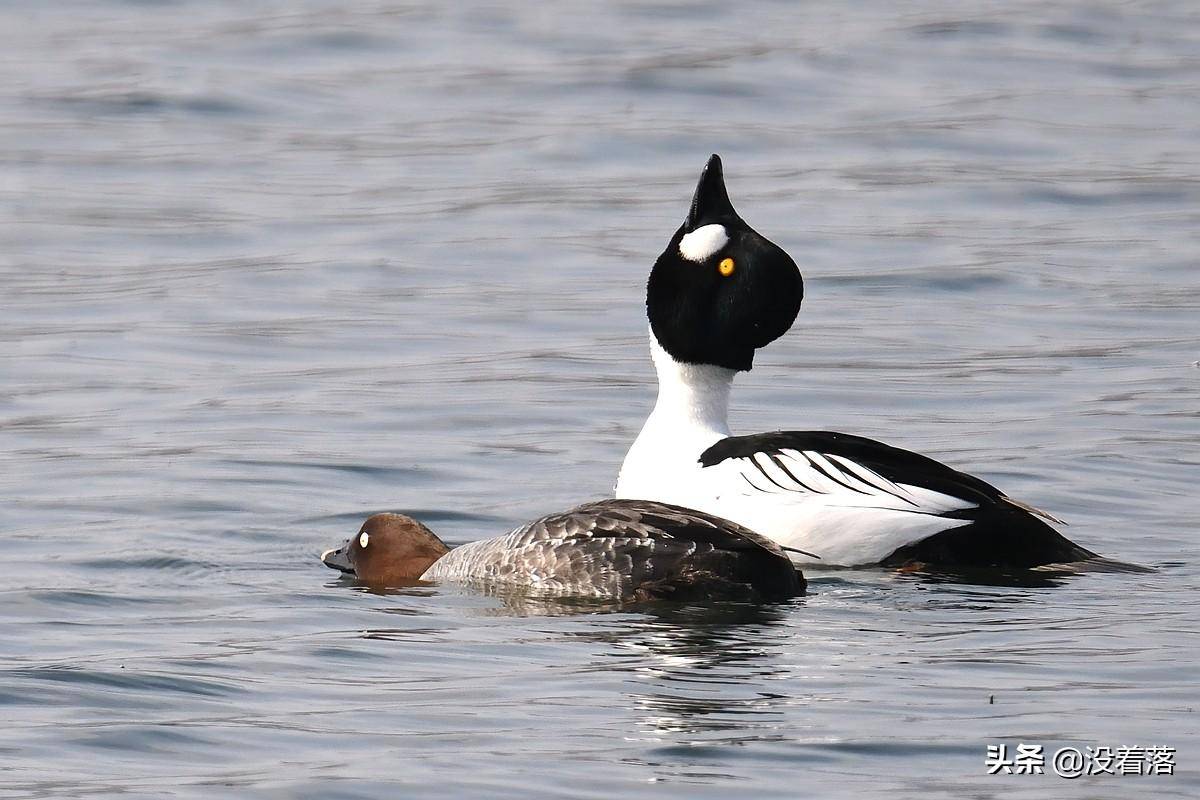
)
(691, 397)
(691, 414)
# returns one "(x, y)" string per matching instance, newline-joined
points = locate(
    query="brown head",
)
(388, 550)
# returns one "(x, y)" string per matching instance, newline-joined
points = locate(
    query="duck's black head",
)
(720, 290)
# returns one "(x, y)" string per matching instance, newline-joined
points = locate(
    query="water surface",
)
(268, 268)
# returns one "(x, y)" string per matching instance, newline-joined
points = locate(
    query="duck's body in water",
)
(718, 293)
(611, 549)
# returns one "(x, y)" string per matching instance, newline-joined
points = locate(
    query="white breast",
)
(826, 504)
(839, 510)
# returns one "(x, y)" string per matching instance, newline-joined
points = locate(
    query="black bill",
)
(338, 558)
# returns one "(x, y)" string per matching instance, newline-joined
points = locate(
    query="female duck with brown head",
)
(611, 549)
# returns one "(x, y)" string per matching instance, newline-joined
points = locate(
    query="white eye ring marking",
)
(363, 539)
(703, 242)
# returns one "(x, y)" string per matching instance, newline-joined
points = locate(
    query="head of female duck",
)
(389, 549)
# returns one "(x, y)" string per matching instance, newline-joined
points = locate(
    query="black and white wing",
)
(856, 501)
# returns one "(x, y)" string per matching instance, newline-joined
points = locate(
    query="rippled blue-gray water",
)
(266, 268)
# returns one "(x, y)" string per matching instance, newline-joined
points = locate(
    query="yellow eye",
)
(725, 267)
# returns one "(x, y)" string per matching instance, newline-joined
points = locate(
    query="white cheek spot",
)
(703, 242)
(363, 539)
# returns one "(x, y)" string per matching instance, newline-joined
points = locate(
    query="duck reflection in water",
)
(702, 675)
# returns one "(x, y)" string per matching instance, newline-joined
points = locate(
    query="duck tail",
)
(1037, 512)
(1095, 564)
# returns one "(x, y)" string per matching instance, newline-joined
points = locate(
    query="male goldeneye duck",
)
(611, 549)
(719, 292)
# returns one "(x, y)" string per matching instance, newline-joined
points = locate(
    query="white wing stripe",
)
(871, 478)
(802, 466)
(814, 473)
(824, 474)
(753, 485)
(799, 468)
(837, 474)
(778, 476)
